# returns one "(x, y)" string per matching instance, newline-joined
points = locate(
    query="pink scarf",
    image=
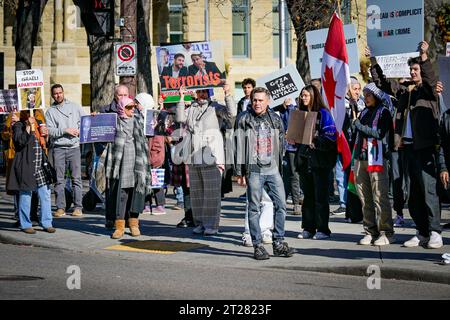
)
(123, 102)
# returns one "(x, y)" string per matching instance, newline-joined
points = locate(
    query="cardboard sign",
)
(125, 59)
(30, 89)
(195, 65)
(301, 126)
(447, 50)
(394, 26)
(8, 101)
(316, 45)
(282, 84)
(396, 65)
(98, 128)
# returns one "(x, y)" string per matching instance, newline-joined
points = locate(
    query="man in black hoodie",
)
(416, 129)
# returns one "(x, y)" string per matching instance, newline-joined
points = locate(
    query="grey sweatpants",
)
(64, 159)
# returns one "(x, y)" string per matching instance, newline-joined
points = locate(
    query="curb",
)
(390, 273)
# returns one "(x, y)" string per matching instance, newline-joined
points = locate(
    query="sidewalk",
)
(162, 240)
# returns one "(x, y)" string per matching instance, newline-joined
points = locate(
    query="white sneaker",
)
(416, 241)
(366, 241)
(266, 238)
(383, 240)
(435, 241)
(305, 235)
(247, 240)
(320, 236)
(198, 230)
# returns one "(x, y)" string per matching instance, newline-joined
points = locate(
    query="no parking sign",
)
(125, 59)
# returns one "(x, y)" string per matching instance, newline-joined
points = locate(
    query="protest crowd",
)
(396, 135)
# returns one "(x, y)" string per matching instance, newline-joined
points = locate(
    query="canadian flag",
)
(335, 81)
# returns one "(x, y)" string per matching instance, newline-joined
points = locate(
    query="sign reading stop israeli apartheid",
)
(316, 43)
(282, 84)
(394, 26)
(30, 89)
(8, 101)
(194, 65)
(125, 59)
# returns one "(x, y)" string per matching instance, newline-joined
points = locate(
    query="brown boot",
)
(133, 223)
(120, 229)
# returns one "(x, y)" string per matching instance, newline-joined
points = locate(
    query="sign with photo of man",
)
(193, 65)
(30, 89)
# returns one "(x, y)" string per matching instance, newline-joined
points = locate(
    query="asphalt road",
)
(154, 276)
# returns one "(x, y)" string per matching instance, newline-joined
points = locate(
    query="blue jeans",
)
(46, 207)
(341, 179)
(273, 184)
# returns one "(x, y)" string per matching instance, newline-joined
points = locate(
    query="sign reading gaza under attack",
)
(282, 84)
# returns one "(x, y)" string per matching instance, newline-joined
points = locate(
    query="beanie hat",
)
(146, 100)
(373, 89)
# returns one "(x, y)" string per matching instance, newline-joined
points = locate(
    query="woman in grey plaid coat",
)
(128, 169)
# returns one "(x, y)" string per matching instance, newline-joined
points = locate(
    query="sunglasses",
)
(130, 106)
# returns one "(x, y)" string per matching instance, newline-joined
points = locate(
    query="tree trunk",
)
(144, 72)
(28, 19)
(102, 71)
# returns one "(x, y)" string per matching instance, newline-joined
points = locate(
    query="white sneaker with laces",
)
(305, 235)
(366, 241)
(247, 240)
(416, 241)
(383, 240)
(320, 236)
(266, 238)
(210, 232)
(435, 241)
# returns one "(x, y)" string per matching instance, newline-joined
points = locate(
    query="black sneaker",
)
(339, 211)
(261, 253)
(281, 249)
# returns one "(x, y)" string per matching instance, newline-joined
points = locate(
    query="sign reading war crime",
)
(125, 59)
(8, 101)
(316, 45)
(98, 128)
(30, 89)
(394, 26)
(193, 65)
(282, 84)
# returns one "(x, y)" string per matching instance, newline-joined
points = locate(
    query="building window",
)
(176, 21)
(276, 30)
(241, 28)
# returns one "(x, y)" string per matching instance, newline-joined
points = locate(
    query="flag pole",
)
(339, 7)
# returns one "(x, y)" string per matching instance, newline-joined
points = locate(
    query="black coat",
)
(22, 174)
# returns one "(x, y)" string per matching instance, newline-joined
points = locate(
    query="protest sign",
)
(30, 89)
(447, 50)
(301, 126)
(8, 101)
(156, 122)
(282, 84)
(193, 65)
(396, 65)
(394, 26)
(158, 178)
(316, 43)
(98, 128)
(444, 77)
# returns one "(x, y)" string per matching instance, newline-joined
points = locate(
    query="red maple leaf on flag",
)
(329, 85)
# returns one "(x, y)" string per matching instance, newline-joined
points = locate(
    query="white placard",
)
(30, 89)
(316, 45)
(396, 65)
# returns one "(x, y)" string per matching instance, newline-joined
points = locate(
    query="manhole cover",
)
(155, 246)
(19, 278)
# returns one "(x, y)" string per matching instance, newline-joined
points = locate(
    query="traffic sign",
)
(125, 59)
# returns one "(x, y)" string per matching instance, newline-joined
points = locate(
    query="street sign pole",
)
(128, 34)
